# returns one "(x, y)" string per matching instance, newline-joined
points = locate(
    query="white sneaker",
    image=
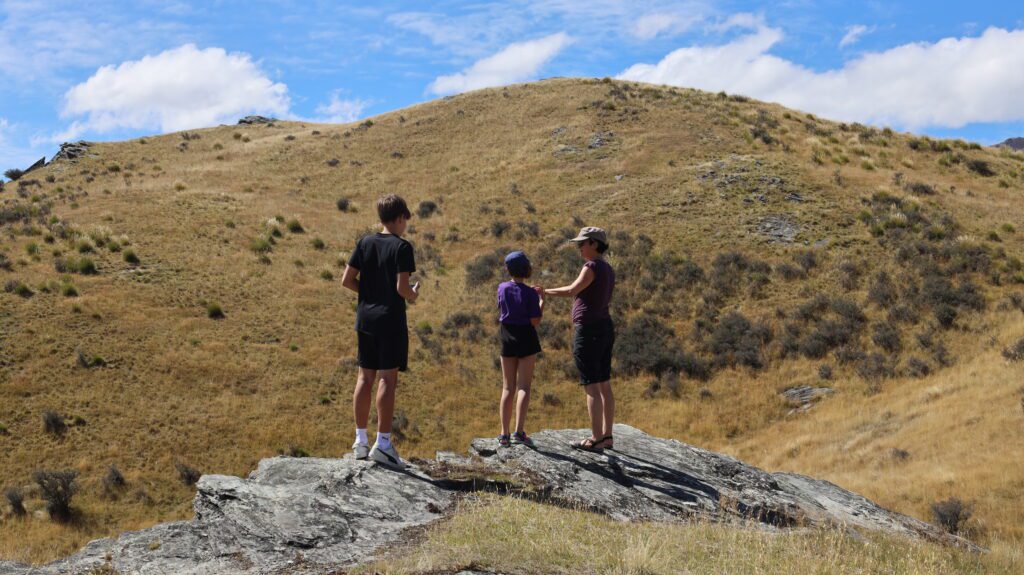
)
(361, 450)
(388, 457)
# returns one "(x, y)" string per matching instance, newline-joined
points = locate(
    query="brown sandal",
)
(587, 444)
(606, 442)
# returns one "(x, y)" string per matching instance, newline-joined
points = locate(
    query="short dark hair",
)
(601, 246)
(520, 273)
(391, 206)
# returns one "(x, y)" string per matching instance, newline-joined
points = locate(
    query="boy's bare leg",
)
(362, 395)
(509, 368)
(595, 405)
(609, 407)
(523, 381)
(386, 399)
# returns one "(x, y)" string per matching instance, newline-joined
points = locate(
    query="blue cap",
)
(518, 264)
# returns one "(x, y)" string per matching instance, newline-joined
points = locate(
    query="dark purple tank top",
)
(591, 304)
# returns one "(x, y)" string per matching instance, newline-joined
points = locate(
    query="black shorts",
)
(519, 340)
(378, 351)
(592, 351)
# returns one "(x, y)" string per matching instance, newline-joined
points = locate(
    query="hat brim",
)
(578, 240)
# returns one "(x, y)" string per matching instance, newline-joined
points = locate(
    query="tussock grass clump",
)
(16, 501)
(426, 209)
(214, 311)
(951, 514)
(53, 423)
(18, 288)
(187, 475)
(261, 245)
(343, 204)
(76, 265)
(130, 257)
(295, 227)
(318, 244)
(57, 489)
(1015, 351)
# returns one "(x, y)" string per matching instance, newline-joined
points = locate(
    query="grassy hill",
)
(176, 302)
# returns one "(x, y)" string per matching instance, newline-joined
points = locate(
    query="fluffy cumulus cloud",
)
(517, 62)
(341, 111)
(182, 88)
(949, 83)
(853, 35)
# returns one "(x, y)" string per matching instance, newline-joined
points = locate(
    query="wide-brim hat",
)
(591, 233)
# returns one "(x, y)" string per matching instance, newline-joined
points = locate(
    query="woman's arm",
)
(582, 282)
(351, 280)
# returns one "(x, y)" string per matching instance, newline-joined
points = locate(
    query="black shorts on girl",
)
(519, 340)
(592, 351)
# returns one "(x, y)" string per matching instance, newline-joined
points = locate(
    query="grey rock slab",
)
(294, 514)
(310, 515)
(648, 478)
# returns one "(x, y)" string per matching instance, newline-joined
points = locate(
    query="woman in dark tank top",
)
(594, 334)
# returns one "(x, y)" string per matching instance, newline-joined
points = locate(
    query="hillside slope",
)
(757, 249)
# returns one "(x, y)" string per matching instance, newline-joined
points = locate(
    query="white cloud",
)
(949, 83)
(341, 111)
(853, 34)
(651, 25)
(515, 63)
(182, 88)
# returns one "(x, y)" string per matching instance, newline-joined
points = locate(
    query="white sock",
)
(384, 440)
(361, 436)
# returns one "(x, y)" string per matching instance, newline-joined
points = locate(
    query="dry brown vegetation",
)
(226, 337)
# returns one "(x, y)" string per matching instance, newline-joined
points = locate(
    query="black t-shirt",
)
(380, 258)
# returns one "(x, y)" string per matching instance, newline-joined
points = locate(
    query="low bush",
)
(113, 481)
(738, 341)
(882, 291)
(16, 500)
(481, 269)
(18, 288)
(1015, 351)
(887, 336)
(917, 367)
(980, 167)
(790, 272)
(499, 227)
(187, 475)
(318, 244)
(214, 311)
(874, 367)
(53, 423)
(57, 489)
(951, 514)
(344, 204)
(295, 227)
(130, 257)
(426, 209)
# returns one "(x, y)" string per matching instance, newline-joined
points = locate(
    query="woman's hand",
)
(539, 290)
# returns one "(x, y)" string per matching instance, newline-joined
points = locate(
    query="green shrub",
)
(131, 258)
(295, 227)
(980, 167)
(343, 204)
(261, 245)
(214, 311)
(69, 290)
(318, 244)
(327, 275)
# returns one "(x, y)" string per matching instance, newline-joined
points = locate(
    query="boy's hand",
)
(416, 292)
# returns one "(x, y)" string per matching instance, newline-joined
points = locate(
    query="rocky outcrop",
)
(311, 515)
(255, 120)
(72, 151)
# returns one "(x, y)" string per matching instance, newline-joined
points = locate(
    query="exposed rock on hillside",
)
(305, 515)
(71, 151)
(255, 120)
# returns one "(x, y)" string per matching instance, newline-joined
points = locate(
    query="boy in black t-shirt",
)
(378, 271)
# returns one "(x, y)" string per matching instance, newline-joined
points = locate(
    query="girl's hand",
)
(539, 290)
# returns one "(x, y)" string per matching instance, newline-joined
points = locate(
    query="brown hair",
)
(389, 207)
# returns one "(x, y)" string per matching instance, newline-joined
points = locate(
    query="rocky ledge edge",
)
(312, 515)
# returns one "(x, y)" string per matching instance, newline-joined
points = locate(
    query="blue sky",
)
(107, 70)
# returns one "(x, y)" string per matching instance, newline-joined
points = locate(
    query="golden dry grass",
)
(278, 370)
(507, 535)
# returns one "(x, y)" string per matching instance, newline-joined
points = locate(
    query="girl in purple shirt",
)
(521, 309)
